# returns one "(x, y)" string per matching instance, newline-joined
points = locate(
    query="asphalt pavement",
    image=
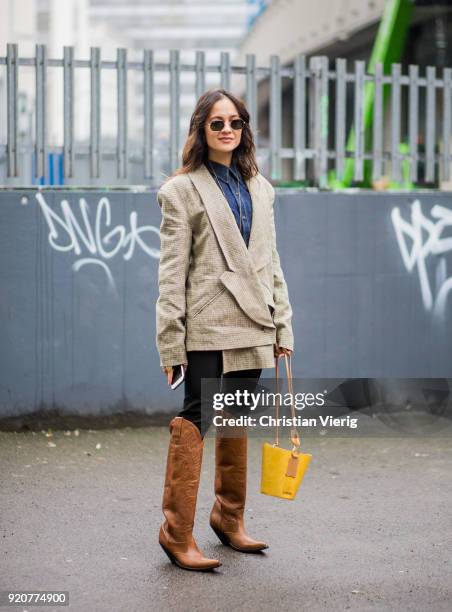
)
(370, 528)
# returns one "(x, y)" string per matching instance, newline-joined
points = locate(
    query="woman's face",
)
(227, 139)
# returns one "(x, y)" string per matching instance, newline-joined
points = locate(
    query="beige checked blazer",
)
(214, 293)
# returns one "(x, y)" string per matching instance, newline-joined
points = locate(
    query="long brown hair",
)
(195, 150)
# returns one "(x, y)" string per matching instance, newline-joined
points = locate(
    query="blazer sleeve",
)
(283, 310)
(175, 247)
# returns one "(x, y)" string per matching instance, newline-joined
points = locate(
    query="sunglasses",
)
(218, 124)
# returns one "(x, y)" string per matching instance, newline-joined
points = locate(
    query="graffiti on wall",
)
(420, 239)
(95, 241)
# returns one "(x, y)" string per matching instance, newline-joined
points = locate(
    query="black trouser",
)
(209, 364)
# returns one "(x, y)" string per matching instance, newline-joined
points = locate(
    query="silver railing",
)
(339, 125)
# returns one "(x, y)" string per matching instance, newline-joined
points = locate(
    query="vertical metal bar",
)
(318, 106)
(324, 102)
(341, 68)
(447, 119)
(200, 72)
(12, 56)
(413, 120)
(148, 136)
(251, 94)
(121, 79)
(95, 142)
(395, 123)
(225, 70)
(430, 127)
(41, 141)
(275, 117)
(174, 108)
(359, 121)
(377, 128)
(314, 115)
(300, 118)
(51, 160)
(60, 170)
(68, 146)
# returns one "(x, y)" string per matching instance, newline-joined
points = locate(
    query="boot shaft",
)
(231, 474)
(183, 471)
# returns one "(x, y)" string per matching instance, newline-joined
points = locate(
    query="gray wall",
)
(77, 312)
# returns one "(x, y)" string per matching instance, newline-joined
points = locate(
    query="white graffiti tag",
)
(427, 238)
(99, 245)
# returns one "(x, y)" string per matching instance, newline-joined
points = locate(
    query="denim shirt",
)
(222, 173)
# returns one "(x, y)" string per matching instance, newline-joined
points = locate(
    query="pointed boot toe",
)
(186, 554)
(234, 535)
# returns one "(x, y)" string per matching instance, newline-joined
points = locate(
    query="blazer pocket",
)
(265, 275)
(212, 299)
(268, 294)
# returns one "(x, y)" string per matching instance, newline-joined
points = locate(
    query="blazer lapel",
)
(241, 278)
(238, 256)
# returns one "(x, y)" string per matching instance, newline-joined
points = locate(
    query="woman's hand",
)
(169, 371)
(279, 351)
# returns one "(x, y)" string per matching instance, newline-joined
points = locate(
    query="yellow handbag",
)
(282, 469)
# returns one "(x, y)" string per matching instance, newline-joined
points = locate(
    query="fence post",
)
(12, 56)
(299, 119)
(447, 119)
(341, 70)
(359, 121)
(148, 102)
(121, 146)
(41, 107)
(430, 125)
(275, 118)
(251, 95)
(413, 119)
(395, 122)
(95, 133)
(318, 103)
(68, 94)
(174, 108)
(377, 124)
(200, 72)
(225, 70)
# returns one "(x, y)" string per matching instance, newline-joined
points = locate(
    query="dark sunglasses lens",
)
(237, 124)
(217, 126)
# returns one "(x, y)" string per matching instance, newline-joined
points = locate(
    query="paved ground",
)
(370, 530)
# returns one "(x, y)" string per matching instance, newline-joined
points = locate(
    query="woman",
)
(223, 310)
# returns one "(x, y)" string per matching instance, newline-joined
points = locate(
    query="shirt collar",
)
(223, 171)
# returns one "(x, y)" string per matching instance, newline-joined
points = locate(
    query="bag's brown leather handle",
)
(294, 437)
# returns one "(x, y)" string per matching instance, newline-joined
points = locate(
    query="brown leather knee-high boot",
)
(183, 470)
(226, 517)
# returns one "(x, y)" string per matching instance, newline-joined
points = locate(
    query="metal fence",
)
(339, 127)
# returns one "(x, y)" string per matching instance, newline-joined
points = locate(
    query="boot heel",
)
(170, 555)
(221, 536)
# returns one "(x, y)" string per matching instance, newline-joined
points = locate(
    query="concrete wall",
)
(369, 276)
